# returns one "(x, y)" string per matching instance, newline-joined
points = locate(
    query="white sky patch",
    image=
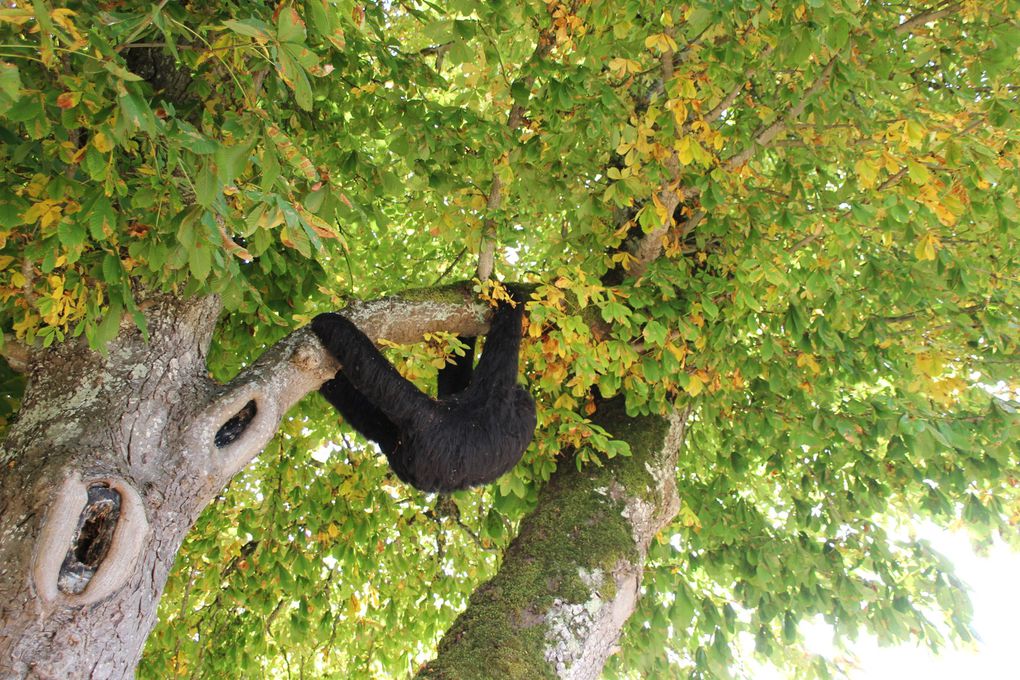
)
(994, 582)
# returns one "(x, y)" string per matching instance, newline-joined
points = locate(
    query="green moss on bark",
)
(578, 528)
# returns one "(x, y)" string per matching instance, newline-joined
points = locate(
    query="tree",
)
(774, 252)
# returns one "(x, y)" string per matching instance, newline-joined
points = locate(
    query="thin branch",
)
(888, 182)
(768, 134)
(670, 196)
(649, 247)
(926, 17)
(728, 100)
(456, 260)
(440, 53)
(910, 316)
(494, 200)
(28, 273)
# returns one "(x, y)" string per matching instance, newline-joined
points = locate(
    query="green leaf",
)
(231, 160)
(109, 327)
(655, 333)
(200, 260)
(71, 233)
(101, 219)
(520, 92)
(294, 76)
(206, 185)
(10, 86)
(112, 269)
(698, 20)
(136, 112)
(289, 26)
(253, 28)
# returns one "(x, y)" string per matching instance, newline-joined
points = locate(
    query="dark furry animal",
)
(473, 432)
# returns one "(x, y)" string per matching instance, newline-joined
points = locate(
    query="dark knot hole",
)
(92, 541)
(235, 427)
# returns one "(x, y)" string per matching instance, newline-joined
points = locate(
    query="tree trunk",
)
(96, 494)
(111, 460)
(113, 457)
(571, 578)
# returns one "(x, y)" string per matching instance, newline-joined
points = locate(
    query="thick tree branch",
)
(731, 97)
(298, 364)
(16, 354)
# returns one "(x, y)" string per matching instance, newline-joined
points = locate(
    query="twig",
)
(456, 260)
(141, 27)
(728, 100)
(926, 17)
(888, 182)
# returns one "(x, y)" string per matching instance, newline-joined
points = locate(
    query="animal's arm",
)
(369, 371)
(497, 367)
(360, 413)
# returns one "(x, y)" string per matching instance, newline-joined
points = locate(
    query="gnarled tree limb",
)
(298, 364)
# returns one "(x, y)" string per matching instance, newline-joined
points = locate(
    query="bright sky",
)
(994, 581)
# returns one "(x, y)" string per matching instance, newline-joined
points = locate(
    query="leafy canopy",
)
(836, 299)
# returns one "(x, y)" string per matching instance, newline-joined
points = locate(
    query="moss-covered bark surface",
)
(562, 572)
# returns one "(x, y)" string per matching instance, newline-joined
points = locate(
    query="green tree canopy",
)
(796, 222)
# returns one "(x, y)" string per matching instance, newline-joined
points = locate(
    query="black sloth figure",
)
(474, 431)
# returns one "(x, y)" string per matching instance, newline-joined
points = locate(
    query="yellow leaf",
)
(271, 218)
(18, 17)
(867, 172)
(102, 143)
(944, 214)
(927, 246)
(809, 361)
(930, 364)
(684, 152)
(318, 225)
(695, 385)
(660, 42)
(29, 322)
(915, 133)
(891, 163)
(618, 66)
(689, 518)
(685, 87)
(679, 109)
(665, 216)
(46, 212)
(918, 173)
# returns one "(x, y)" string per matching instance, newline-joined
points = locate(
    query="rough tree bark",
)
(571, 578)
(113, 457)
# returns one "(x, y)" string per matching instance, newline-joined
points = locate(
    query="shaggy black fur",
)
(474, 431)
